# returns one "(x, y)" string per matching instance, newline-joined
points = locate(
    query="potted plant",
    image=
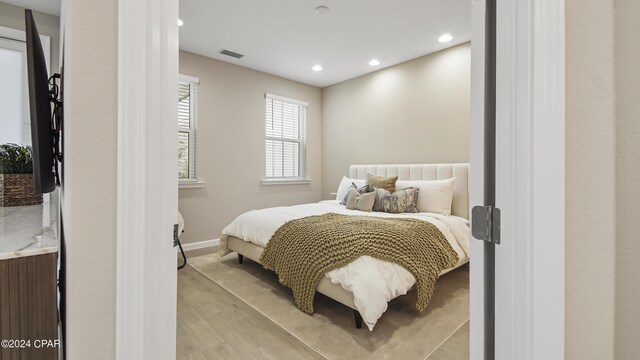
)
(16, 179)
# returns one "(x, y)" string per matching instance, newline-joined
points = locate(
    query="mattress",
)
(373, 282)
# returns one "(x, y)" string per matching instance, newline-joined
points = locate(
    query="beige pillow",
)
(361, 190)
(358, 201)
(387, 183)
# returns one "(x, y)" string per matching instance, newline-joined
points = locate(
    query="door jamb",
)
(147, 179)
(530, 179)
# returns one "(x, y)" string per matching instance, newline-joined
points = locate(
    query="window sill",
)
(285, 182)
(197, 184)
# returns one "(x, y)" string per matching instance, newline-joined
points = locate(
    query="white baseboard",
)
(200, 245)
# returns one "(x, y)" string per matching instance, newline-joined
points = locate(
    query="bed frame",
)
(459, 207)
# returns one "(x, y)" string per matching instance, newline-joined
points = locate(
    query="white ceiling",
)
(51, 7)
(286, 37)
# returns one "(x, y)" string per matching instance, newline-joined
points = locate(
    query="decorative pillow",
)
(358, 201)
(361, 190)
(435, 195)
(401, 201)
(345, 185)
(387, 183)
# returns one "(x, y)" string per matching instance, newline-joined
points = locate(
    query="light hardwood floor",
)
(456, 347)
(214, 324)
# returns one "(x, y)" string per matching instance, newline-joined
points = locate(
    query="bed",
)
(366, 284)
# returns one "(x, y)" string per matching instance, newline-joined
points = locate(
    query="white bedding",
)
(373, 282)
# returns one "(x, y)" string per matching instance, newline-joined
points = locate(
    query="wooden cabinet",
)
(28, 307)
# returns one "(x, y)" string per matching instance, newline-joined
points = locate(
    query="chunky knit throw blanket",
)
(302, 251)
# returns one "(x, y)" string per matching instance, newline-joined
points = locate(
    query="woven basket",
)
(17, 190)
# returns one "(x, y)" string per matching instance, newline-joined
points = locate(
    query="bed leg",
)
(358, 317)
(240, 258)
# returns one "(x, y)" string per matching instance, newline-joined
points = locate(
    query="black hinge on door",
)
(175, 235)
(485, 223)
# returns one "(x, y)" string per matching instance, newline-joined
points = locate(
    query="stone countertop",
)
(27, 231)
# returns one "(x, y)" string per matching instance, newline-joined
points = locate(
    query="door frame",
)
(147, 179)
(529, 179)
(530, 173)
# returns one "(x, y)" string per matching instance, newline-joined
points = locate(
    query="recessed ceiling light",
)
(321, 10)
(180, 22)
(445, 38)
(316, 68)
(374, 62)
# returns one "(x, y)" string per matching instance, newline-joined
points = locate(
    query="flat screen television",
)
(42, 128)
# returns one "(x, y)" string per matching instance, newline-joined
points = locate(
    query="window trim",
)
(301, 140)
(195, 184)
(285, 181)
(193, 181)
(21, 36)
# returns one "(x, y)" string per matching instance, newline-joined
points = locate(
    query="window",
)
(285, 139)
(187, 100)
(14, 92)
(14, 96)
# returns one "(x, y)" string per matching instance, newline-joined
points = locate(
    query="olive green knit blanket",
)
(302, 251)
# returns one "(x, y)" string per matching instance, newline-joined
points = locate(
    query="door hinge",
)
(175, 235)
(485, 223)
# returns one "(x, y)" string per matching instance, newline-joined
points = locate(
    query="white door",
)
(528, 300)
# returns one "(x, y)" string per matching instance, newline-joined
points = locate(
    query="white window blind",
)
(285, 140)
(187, 100)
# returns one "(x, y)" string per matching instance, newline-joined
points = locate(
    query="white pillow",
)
(345, 184)
(435, 196)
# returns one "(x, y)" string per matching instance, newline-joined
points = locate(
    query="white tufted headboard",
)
(460, 204)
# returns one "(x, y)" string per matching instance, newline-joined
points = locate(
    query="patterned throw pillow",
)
(387, 183)
(358, 201)
(361, 190)
(405, 200)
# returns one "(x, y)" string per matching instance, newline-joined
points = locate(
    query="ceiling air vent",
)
(231, 53)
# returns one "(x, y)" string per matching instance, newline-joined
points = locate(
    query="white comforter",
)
(373, 282)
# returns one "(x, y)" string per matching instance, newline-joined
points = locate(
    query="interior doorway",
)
(529, 134)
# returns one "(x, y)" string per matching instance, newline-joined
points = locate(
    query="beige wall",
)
(590, 181)
(230, 146)
(602, 176)
(627, 84)
(13, 17)
(90, 166)
(414, 112)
